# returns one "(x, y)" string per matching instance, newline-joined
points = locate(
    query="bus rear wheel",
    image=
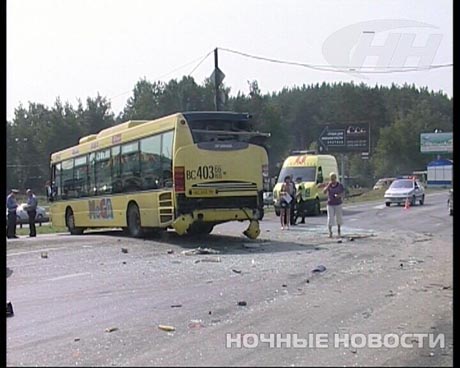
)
(134, 221)
(200, 229)
(70, 222)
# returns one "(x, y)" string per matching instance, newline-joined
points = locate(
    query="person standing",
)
(31, 211)
(287, 199)
(11, 205)
(301, 197)
(335, 191)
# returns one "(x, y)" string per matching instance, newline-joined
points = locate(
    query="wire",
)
(172, 71)
(342, 69)
(209, 53)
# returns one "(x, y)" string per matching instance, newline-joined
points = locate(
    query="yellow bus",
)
(188, 171)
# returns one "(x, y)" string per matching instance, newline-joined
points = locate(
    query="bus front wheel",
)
(134, 221)
(70, 222)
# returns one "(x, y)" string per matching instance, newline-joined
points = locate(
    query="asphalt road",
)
(83, 301)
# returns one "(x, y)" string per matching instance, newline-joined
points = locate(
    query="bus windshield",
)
(225, 130)
(302, 172)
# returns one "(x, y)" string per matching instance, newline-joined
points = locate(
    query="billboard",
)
(436, 142)
(353, 137)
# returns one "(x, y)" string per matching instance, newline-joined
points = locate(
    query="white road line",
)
(69, 276)
(380, 206)
(33, 251)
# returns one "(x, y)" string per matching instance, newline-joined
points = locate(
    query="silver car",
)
(405, 189)
(23, 218)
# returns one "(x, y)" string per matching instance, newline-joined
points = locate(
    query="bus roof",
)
(216, 115)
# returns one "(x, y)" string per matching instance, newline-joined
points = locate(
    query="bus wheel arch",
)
(133, 220)
(70, 222)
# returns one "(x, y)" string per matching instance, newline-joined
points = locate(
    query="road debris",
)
(319, 269)
(251, 245)
(124, 262)
(284, 285)
(176, 305)
(9, 272)
(391, 293)
(210, 259)
(195, 324)
(124, 250)
(236, 271)
(242, 303)
(9, 309)
(111, 329)
(44, 254)
(76, 339)
(166, 328)
(170, 251)
(199, 250)
(339, 241)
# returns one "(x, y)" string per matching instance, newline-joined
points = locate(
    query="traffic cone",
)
(407, 204)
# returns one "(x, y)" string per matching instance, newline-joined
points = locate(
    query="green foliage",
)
(294, 116)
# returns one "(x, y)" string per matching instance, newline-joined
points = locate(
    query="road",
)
(91, 304)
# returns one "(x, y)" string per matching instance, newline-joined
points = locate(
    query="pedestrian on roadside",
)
(11, 206)
(335, 191)
(300, 201)
(287, 199)
(31, 209)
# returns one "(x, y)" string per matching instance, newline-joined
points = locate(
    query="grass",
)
(44, 229)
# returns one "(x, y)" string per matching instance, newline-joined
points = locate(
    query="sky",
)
(74, 49)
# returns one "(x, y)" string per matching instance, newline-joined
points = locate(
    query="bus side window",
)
(151, 162)
(91, 174)
(67, 179)
(117, 185)
(130, 167)
(166, 159)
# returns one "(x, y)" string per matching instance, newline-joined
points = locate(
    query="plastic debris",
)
(401, 265)
(319, 269)
(9, 309)
(76, 339)
(236, 271)
(44, 254)
(242, 303)
(195, 324)
(170, 251)
(111, 329)
(284, 285)
(199, 250)
(124, 250)
(339, 241)
(124, 262)
(251, 245)
(176, 305)
(166, 328)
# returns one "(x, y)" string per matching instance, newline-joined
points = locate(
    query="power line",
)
(172, 71)
(209, 53)
(342, 69)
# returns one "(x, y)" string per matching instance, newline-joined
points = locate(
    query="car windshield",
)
(398, 184)
(304, 173)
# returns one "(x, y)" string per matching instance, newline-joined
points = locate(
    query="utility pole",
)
(216, 79)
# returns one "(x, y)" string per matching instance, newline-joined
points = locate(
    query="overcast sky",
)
(77, 48)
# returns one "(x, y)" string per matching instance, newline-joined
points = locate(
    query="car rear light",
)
(179, 179)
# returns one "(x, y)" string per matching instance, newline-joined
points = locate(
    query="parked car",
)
(402, 189)
(268, 198)
(383, 183)
(450, 202)
(23, 217)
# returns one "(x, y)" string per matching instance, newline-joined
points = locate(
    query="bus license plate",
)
(203, 192)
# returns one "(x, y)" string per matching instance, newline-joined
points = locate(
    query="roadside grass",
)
(44, 229)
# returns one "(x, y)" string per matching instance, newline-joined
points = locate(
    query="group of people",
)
(291, 202)
(12, 205)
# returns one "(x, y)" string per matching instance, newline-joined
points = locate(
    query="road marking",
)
(352, 219)
(69, 276)
(380, 206)
(33, 251)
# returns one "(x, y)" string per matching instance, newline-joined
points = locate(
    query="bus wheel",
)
(70, 222)
(134, 221)
(317, 209)
(200, 229)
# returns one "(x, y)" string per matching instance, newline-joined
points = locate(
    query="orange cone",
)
(407, 204)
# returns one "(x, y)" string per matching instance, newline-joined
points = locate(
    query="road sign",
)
(345, 138)
(365, 155)
(220, 76)
(436, 142)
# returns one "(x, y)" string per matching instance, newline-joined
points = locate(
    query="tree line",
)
(294, 116)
